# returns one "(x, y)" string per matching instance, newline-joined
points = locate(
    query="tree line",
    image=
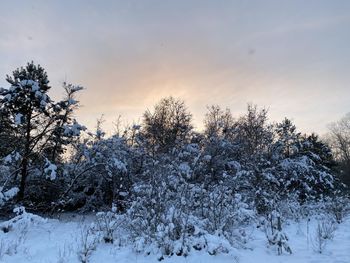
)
(50, 162)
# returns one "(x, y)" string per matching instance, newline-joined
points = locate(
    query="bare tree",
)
(168, 125)
(253, 132)
(339, 139)
(218, 122)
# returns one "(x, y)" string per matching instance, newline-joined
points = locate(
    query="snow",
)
(76, 88)
(50, 170)
(8, 158)
(185, 169)
(7, 195)
(43, 103)
(207, 158)
(38, 94)
(28, 82)
(119, 164)
(8, 97)
(18, 118)
(123, 194)
(34, 239)
(11, 193)
(72, 102)
(73, 129)
(12, 157)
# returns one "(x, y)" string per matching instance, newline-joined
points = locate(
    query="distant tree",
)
(339, 140)
(287, 139)
(253, 133)
(301, 164)
(167, 126)
(218, 122)
(313, 146)
(340, 132)
(314, 174)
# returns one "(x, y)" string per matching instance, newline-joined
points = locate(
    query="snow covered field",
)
(51, 240)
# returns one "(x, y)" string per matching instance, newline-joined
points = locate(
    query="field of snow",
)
(57, 241)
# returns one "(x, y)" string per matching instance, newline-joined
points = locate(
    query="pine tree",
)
(35, 118)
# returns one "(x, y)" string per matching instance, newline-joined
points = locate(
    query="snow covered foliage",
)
(98, 173)
(40, 127)
(274, 233)
(7, 195)
(21, 221)
(175, 212)
(12, 158)
(87, 243)
(7, 168)
(50, 170)
(323, 233)
(107, 223)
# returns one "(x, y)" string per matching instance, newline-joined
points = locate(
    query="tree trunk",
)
(25, 161)
(24, 173)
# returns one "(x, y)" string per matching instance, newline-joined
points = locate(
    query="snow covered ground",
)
(58, 241)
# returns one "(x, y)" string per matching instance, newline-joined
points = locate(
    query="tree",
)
(65, 128)
(40, 123)
(301, 164)
(8, 138)
(218, 122)
(288, 139)
(339, 140)
(167, 126)
(253, 133)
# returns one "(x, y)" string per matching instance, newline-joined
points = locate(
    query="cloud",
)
(130, 54)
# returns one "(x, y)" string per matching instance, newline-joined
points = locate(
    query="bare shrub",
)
(337, 207)
(324, 232)
(107, 223)
(87, 243)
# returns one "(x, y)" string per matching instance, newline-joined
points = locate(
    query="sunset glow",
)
(290, 57)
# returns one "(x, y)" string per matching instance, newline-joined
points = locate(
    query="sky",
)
(291, 57)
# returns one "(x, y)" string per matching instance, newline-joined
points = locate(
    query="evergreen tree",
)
(35, 119)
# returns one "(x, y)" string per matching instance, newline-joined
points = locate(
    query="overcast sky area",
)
(292, 57)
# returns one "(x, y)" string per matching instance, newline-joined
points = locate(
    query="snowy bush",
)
(274, 233)
(318, 241)
(7, 195)
(21, 221)
(338, 207)
(172, 215)
(107, 223)
(98, 174)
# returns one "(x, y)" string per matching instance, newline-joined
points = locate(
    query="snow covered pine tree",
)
(41, 125)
